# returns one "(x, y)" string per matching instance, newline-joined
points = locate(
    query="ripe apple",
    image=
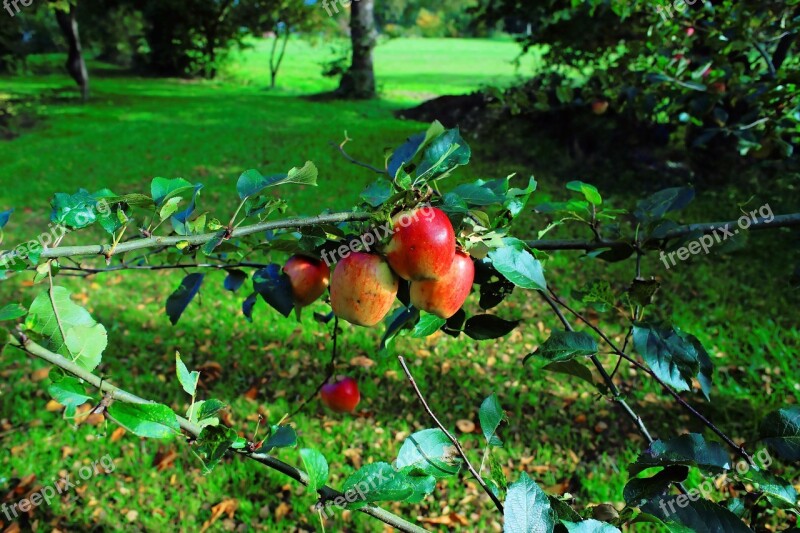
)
(341, 396)
(445, 296)
(423, 244)
(308, 277)
(599, 107)
(363, 288)
(689, 31)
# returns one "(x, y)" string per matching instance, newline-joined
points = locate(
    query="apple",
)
(341, 396)
(423, 244)
(599, 107)
(363, 288)
(718, 87)
(689, 31)
(445, 296)
(308, 277)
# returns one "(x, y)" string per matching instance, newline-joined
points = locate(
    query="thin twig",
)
(329, 372)
(686, 405)
(21, 341)
(220, 266)
(455, 442)
(355, 161)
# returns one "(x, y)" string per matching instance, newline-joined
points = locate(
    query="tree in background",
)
(717, 75)
(66, 16)
(359, 80)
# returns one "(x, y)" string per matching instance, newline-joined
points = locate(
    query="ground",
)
(559, 430)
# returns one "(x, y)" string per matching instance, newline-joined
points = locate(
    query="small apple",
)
(445, 296)
(718, 87)
(341, 396)
(308, 277)
(363, 288)
(689, 31)
(599, 107)
(423, 244)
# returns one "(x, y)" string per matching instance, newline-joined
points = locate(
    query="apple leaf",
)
(188, 380)
(527, 508)
(150, 420)
(519, 267)
(428, 325)
(179, 300)
(316, 466)
(485, 327)
(67, 391)
(377, 482)
(429, 452)
(251, 182)
(781, 430)
(564, 346)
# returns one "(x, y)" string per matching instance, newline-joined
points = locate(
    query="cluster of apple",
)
(422, 250)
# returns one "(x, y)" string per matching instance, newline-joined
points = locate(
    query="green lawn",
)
(559, 431)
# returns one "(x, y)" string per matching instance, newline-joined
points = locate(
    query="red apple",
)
(445, 296)
(363, 288)
(599, 107)
(308, 277)
(718, 87)
(341, 396)
(689, 31)
(423, 244)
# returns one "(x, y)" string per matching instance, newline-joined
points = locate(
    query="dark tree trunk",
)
(275, 58)
(75, 63)
(359, 80)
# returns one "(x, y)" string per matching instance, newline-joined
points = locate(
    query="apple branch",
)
(450, 436)
(686, 405)
(195, 240)
(19, 340)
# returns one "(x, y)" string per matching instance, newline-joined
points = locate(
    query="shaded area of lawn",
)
(560, 431)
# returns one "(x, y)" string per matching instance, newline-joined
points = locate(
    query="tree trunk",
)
(275, 59)
(76, 66)
(359, 80)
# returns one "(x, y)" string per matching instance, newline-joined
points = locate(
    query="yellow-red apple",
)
(309, 279)
(363, 288)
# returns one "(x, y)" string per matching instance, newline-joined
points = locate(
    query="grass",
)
(559, 430)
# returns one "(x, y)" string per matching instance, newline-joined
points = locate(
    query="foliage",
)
(721, 75)
(60, 330)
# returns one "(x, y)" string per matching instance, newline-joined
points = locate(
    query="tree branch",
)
(455, 442)
(779, 221)
(686, 405)
(21, 341)
(196, 240)
(347, 156)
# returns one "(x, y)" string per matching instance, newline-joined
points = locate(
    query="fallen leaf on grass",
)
(450, 520)
(225, 507)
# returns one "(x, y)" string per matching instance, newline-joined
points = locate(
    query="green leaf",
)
(75, 211)
(87, 341)
(421, 485)
(429, 452)
(275, 288)
(639, 491)
(690, 449)
(377, 193)
(377, 482)
(519, 267)
(187, 379)
(316, 467)
(149, 420)
(485, 327)
(179, 300)
(170, 207)
(67, 391)
(662, 202)
(406, 152)
(565, 345)
(87, 344)
(701, 515)
(202, 415)
(400, 319)
(588, 191)
(213, 442)
(446, 152)
(573, 368)
(482, 193)
(498, 475)
(163, 189)
(590, 526)
(4, 217)
(490, 416)
(251, 182)
(778, 491)
(781, 430)
(563, 511)
(280, 437)
(428, 325)
(209, 408)
(669, 354)
(527, 508)
(12, 312)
